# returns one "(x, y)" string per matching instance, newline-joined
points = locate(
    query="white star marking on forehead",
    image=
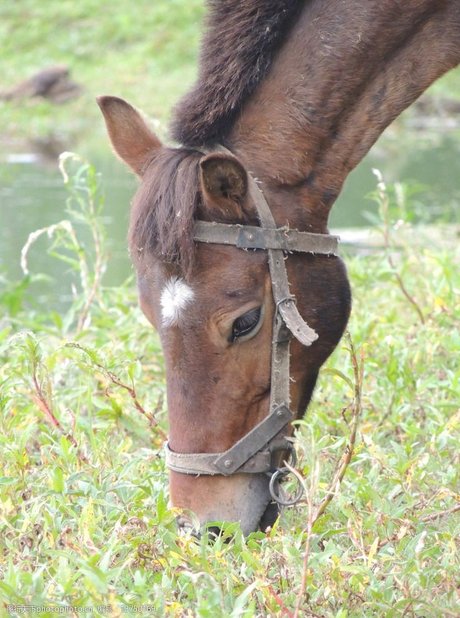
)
(176, 295)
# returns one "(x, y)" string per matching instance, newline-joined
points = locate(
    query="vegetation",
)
(145, 51)
(84, 520)
(83, 498)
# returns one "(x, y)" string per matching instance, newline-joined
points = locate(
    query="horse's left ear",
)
(223, 180)
(131, 138)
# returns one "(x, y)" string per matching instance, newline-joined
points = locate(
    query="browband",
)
(254, 237)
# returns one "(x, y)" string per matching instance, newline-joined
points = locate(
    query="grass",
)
(144, 51)
(83, 492)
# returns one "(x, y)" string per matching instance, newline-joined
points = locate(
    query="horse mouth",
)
(269, 517)
(187, 526)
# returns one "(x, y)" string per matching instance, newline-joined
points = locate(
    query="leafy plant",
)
(84, 518)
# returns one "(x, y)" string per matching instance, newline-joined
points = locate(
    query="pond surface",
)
(424, 151)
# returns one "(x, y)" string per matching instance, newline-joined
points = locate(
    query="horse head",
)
(213, 308)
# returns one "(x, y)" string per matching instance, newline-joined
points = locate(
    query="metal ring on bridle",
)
(283, 446)
(273, 487)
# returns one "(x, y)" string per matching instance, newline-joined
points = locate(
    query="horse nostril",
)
(269, 516)
(185, 526)
(214, 532)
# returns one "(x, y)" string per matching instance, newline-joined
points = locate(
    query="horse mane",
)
(237, 50)
(236, 53)
(165, 206)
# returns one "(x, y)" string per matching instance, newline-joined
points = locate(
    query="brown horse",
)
(297, 91)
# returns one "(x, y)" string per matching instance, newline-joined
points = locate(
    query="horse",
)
(228, 230)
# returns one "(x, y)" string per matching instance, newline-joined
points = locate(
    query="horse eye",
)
(245, 324)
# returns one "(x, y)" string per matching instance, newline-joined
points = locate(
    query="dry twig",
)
(43, 403)
(358, 374)
(407, 525)
(131, 390)
(383, 195)
(315, 512)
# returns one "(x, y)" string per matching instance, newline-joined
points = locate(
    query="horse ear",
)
(223, 179)
(131, 138)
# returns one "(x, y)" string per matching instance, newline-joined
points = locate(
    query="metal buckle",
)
(284, 445)
(286, 299)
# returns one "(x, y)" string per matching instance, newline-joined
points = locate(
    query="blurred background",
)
(57, 56)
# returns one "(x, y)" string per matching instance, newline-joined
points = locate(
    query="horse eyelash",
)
(245, 321)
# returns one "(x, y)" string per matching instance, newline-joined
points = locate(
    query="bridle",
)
(255, 452)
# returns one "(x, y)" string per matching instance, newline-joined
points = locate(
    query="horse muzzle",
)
(211, 500)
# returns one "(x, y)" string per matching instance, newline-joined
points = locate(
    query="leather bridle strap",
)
(253, 453)
(253, 237)
(246, 455)
(280, 285)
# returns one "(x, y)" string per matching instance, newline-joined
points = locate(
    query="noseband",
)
(255, 452)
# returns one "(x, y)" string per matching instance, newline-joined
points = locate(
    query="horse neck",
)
(346, 71)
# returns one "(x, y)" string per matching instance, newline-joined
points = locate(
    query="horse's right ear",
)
(131, 138)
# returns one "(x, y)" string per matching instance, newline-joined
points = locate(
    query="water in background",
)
(420, 151)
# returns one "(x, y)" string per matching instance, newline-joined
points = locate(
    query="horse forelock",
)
(164, 209)
(237, 50)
